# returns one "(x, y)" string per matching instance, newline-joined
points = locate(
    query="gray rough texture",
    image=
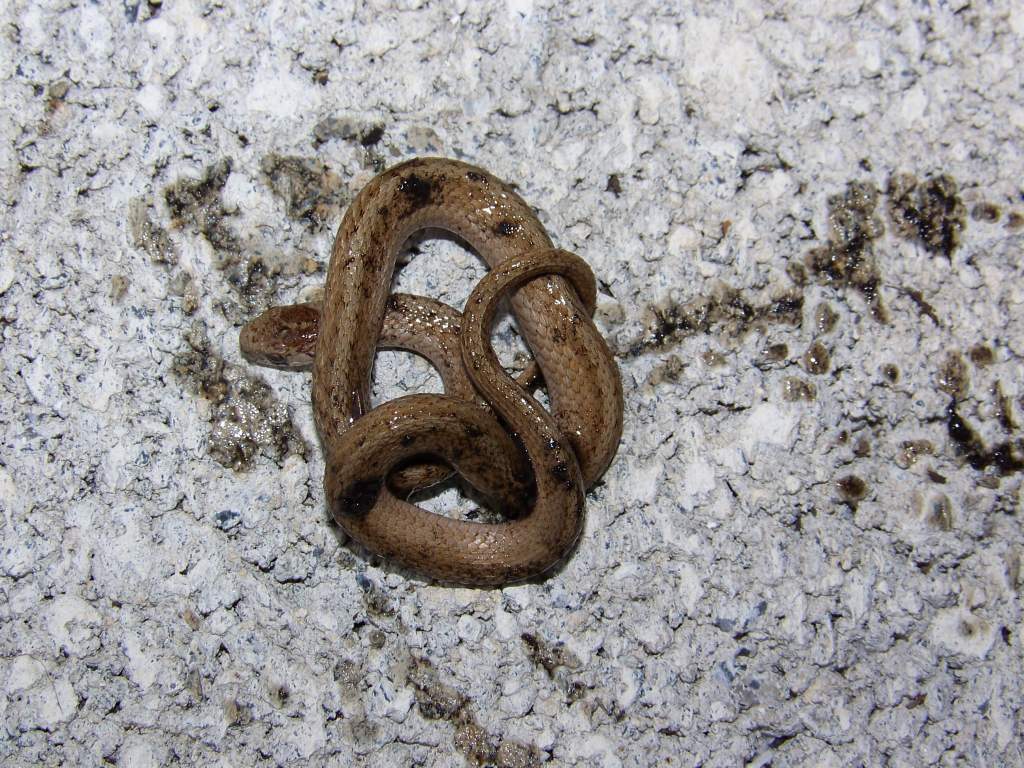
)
(792, 561)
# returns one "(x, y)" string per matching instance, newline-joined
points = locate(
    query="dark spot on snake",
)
(520, 503)
(506, 228)
(473, 431)
(408, 440)
(561, 473)
(417, 190)
(359, 498)
(477, 177)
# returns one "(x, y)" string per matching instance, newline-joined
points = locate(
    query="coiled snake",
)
(531, 464)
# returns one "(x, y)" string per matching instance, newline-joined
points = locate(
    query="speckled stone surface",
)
(807, 220)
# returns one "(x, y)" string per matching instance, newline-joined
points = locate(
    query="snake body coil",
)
(533, 465)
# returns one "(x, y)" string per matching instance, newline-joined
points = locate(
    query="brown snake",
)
(534, 466)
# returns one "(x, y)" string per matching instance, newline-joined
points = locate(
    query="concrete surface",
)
(808, 221)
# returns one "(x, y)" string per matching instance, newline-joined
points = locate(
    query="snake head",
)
(282, 337)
